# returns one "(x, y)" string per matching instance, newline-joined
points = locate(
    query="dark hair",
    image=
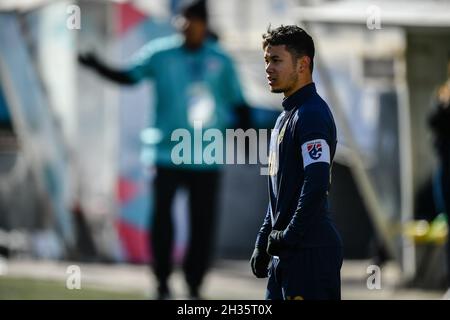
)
(194, 9)
(297, 41)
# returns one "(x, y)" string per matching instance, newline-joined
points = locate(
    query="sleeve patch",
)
(315, 151)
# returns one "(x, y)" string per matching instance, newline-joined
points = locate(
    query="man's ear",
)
(304, 63)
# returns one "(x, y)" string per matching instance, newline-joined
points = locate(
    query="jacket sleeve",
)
(142, 64)
(313, 139)
(313, 194)
(264, 231)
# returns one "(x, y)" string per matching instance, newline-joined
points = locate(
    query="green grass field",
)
(33, 289)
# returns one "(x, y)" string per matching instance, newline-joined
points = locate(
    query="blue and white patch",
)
(315, 151)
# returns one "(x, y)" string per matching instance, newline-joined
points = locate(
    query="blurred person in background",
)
(439, 122)
(298, 236)
(8, 140)
(195, 81)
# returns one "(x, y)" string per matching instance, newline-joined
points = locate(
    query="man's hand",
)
(88, 59)
(259, 263)
(275, 243)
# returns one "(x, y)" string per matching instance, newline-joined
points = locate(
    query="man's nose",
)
(269, 68)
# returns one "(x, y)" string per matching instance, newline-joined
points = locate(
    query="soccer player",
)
(298, 235)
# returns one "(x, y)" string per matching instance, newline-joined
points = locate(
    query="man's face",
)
(195, 30)
(282, 73)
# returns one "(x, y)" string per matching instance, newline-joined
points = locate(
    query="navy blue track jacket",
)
(302, 148)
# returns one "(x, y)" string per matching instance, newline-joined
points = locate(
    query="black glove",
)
(275, 243)
(88, 59)
(260, 263)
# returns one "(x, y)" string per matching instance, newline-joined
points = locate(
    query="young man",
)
(195, 82)
(298, 236)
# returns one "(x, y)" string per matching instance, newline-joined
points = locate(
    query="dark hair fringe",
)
(298, 42)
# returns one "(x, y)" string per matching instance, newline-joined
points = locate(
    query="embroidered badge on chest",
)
(281, 134)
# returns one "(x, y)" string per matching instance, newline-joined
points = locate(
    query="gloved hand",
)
(88, 59)
(259, 263)
(275, 243)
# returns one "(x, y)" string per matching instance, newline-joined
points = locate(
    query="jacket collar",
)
(299, 97)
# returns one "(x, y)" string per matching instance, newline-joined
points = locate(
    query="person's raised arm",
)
(90, 60)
